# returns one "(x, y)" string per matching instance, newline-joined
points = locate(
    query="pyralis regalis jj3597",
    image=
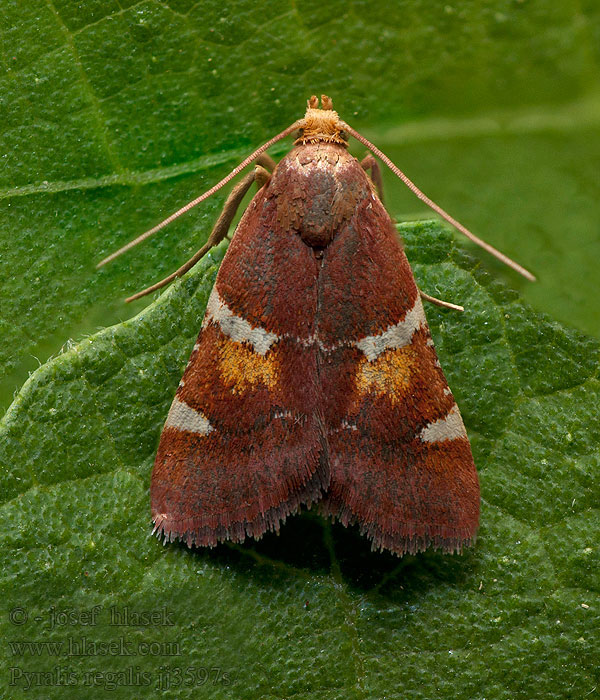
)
(314, 379)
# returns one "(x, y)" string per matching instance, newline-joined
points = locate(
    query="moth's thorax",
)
(318, 187)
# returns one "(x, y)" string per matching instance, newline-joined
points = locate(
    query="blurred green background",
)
(116, 113)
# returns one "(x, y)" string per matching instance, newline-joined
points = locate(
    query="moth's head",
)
(321, 125)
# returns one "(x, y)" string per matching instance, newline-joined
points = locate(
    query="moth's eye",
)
(344, 135)
(298, 134)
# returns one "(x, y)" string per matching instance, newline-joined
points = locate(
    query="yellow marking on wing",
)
(242, 369)
(389, 375)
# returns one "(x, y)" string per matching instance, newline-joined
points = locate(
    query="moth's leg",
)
(258, 175)
(266, 161)
(262, 173)
(369, 163)
(439, 302)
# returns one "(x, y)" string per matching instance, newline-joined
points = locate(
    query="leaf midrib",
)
(573, 116)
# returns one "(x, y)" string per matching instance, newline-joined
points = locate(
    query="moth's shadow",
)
(308, 544)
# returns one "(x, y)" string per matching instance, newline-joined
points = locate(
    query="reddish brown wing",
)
(243, 445)
(314, 370)
(401, 463)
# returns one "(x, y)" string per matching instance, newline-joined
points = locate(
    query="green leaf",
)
(115, 113)
(311, 613)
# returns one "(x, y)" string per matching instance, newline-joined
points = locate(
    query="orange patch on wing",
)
(389, 375)
(241, 368)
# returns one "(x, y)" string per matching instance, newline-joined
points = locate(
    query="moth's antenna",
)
(424, 198)
(204, 196)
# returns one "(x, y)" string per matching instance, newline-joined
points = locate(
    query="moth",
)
(314, 379)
